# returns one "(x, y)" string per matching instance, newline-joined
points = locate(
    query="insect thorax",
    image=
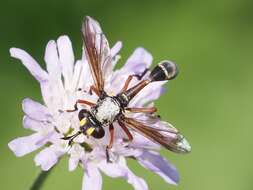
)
(106, 110)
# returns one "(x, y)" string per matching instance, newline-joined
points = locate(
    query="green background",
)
(210, 101)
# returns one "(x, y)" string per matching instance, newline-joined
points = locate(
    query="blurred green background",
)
(210, 101)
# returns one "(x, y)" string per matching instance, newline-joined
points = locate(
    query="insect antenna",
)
(71, 138)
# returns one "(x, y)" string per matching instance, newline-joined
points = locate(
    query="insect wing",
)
(97, 50)
(169, 138)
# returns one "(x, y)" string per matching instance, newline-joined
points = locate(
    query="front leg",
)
(86, 102)
(111, 130)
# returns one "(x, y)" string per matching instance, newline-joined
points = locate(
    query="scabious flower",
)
(62, 83)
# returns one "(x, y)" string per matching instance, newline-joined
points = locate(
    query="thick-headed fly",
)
(111, 109)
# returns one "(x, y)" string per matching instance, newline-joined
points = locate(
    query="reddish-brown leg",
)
(94, 89)
(142, 110)
(125, 129)
(138, 76)
(81, 102)
(111, 130)
(125, 87)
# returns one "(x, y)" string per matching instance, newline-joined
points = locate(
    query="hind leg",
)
(138, 76)
(111, 130)
(142, 110)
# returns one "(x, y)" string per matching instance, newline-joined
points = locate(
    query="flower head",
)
(64, 82)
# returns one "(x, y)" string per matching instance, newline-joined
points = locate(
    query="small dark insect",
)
(110, 109)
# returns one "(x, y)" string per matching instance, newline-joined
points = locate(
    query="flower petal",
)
(32, 124)
(77, 76)
(73, 163)
(46, 158)
(93, 25)
(35, 110)
(121, 170)
(76, 153)
(86, 79)
(109, 65)
(32, 65)
(150, 93)
(53, 89)
(66, 57)
(140, 142)
(92, 179)
(52, 59)
(53, 94)
(116, 48)
(156, 163)
(24, 145)
(138, 61)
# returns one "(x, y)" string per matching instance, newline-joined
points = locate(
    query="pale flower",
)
(62, 83)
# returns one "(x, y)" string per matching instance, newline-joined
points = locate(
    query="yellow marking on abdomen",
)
(83, 122)
(90, 131)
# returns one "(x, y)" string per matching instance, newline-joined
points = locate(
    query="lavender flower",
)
(66, 80)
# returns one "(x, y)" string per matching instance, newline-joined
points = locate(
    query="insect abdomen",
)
(165, 70)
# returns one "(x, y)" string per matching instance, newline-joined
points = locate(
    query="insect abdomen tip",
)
(165, 70)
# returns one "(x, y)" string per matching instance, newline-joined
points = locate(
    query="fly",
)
(111, 109)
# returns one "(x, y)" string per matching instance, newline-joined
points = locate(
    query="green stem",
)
(39, 181)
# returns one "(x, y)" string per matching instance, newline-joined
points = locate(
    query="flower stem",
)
(39, 181)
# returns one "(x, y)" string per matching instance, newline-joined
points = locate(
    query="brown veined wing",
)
(170, 138)
(97, 50)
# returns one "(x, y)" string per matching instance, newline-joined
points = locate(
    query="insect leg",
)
(111, 130)
(138, 76)
(125, 129)
(142, 110)
(81, 102)
(125, 87)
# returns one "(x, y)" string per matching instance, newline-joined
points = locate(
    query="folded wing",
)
(169, 138)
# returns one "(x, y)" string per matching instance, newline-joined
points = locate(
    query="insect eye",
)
(82, 114)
